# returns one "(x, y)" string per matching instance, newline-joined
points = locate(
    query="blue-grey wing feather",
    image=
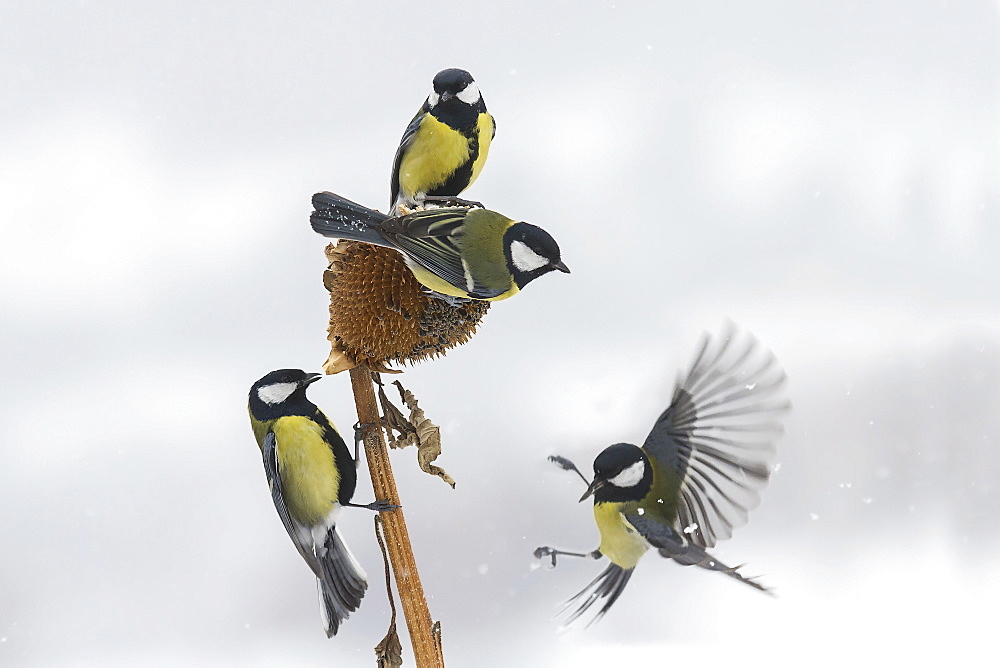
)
(433, 239)
(672, 545)
(404, 144)
(270, 454)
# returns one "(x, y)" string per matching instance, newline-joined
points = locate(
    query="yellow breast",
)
(438, 284)
(436, 152)
(309, 477)
(619, 541)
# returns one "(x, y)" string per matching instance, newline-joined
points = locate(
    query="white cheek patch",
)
(630, 477)
(276, 392)
(526, 259)
(470, 94)
(432, 99)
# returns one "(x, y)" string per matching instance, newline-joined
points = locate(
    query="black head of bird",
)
(531, 252)
(622, 472)
(282, 392)
(454, 90)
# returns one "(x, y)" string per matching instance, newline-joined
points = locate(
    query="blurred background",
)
(825, 174)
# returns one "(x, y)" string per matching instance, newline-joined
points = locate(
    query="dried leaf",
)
(337, 361)
(393, 419)
(416, 430)
(389, 652)
(428, 436)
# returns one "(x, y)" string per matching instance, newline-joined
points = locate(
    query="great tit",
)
(444, 147)
(312, 476)
(700, 470)
(455, 251)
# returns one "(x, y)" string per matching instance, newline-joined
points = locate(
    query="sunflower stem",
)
(425, 636)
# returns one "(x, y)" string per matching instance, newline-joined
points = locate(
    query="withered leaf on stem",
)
(417, 430)
(393, 419)
(389, 651)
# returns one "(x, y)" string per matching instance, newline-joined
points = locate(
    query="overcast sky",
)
(825, 174)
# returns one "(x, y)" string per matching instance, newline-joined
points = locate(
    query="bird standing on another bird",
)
(312, 475)
(699, 472)
(444, 147)
(459, 252)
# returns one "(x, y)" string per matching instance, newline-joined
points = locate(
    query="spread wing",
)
(718, 434)
(404, 145)
(433, 239)
(270, 454)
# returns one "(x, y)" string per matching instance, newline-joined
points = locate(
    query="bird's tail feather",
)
(692, 555)
(608, 585)
(342, 583)
(335, 216)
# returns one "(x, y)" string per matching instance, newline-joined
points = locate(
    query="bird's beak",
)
(561, 266)
(594, 486)
(445, 96)
(311, 378)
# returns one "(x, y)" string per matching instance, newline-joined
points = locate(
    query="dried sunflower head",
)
(381, 314)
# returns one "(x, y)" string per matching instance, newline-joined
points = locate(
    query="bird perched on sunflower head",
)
(444, 147)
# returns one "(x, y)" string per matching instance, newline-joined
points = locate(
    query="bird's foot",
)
(552, 553)
(359, 430)
(567, 465)
(542, 552)
(377, 506)
(359, 437)
(450, 300)
(445, 200)
(563, 463)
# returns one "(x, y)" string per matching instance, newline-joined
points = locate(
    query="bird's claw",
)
(383, 506)
(542, 552)
(562, 462)
(567, 465)
(359, 430)
(445, 200)
(450, 300)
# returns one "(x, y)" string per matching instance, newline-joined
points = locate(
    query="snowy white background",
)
(825, 174)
